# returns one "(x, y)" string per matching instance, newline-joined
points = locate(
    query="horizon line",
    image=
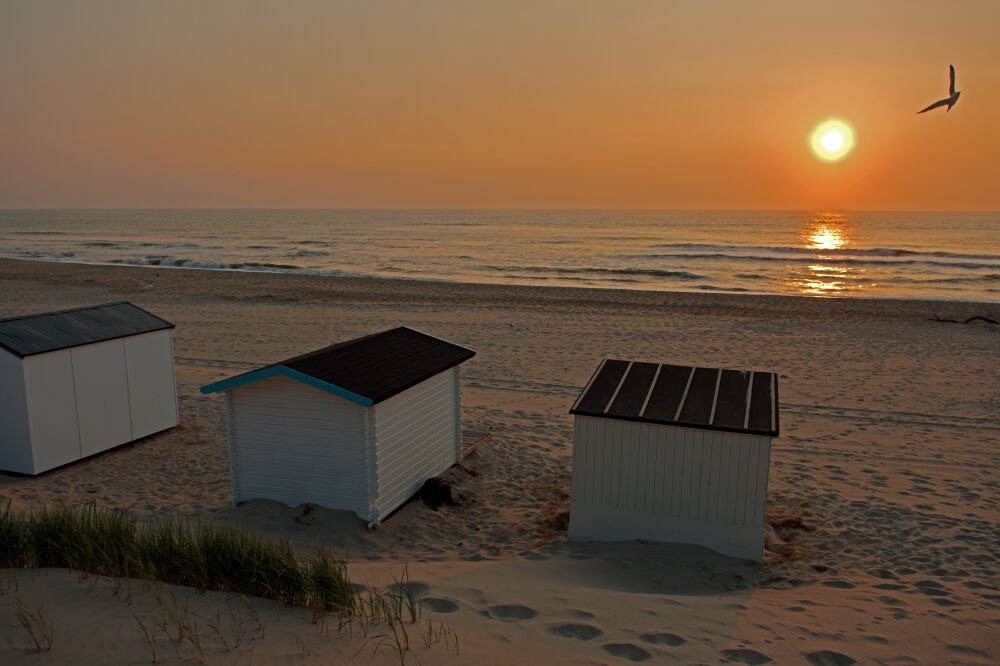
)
(502, 209)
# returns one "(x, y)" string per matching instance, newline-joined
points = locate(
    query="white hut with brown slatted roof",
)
(673, 453)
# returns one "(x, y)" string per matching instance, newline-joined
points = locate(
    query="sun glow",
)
(832, 140)
(826, 238)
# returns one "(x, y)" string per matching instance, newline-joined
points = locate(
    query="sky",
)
(540, 104)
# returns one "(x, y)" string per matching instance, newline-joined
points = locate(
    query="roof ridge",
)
(68, 310)
(336, 345)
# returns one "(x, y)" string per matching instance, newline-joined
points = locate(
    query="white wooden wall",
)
(88, 399)
(52, 413)
(102, 396)
(293, 443)
(636, 480)
(15, 442)
(417, 436)
(151, 384)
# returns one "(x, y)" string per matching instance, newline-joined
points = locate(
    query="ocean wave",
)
(712, 287)
(971, 279)
(181, 246)
(173, 262)
(819, 257)
(832, 252)
(648, 272)
(308, 253)
(102, 244)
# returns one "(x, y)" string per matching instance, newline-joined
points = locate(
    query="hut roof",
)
(711, 398)
(365, 370)
(32, 334)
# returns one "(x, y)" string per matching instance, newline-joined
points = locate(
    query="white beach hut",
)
(673, 453)
(357, 426)
(77, 382)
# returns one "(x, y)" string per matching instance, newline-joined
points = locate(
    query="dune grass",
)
(175, 550)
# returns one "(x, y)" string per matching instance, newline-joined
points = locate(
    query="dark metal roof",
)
(50, 331)
(366, 370)
(710, 398)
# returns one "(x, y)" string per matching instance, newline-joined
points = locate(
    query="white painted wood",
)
(233, 444)
(635, 480)
(416, 437)
(52, 410)
(15, 447)
(296, 444)
(152, 392)
(459, 453)
(81, 401)
(102, 396)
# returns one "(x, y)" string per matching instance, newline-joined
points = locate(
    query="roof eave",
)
(285, 371)
(675, 424)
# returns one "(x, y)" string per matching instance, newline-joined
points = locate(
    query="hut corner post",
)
(459, 453)
(233, 471)
(371, 460)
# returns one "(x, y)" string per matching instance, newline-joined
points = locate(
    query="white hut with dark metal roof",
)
(673, 453)
(359, 425)
(77, 382)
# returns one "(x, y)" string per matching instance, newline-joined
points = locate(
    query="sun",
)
(832, 140)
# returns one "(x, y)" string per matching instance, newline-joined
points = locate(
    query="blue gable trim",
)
(285, 371)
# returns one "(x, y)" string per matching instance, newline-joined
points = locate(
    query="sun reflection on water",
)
(829, 235)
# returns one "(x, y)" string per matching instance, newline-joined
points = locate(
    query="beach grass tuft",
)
(175, 550)
(172, 549)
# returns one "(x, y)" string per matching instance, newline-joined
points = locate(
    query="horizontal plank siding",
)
(295, 444)
(416, 437)
(635, 480)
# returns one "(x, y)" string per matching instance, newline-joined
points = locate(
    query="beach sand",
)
(884, 497)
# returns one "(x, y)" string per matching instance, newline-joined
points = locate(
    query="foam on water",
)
(899, 255)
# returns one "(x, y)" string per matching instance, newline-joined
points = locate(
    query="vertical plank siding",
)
(151, 384)
(68, 404)
(417, 436)
(639, 480)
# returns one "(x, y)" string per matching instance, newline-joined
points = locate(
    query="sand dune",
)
(883, 498)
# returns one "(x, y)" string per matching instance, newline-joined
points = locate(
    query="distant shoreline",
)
(276, 272)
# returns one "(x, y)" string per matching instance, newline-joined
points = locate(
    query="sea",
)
(952, 256)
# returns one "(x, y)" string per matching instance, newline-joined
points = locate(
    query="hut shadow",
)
(643, 567)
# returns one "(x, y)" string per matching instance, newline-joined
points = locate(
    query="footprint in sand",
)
(439, 604)
(628, 651)
(581, 632)
(746, 656)
(510, 612)
(673, 640)
(842, 584)
(410, 587)
(966, 650)
(829, 658)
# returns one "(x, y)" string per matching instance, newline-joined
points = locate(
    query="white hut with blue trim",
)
(358, 426)
(673, 453)
(77, 382)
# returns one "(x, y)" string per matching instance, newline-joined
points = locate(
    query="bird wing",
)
(940, 102)
(951, 87)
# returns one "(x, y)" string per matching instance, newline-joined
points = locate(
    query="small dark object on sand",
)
(985, 320)
(435, 492)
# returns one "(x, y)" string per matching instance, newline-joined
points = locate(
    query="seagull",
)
(951, 99)
(148, 284)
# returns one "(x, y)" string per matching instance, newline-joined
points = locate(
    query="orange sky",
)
(496, 104)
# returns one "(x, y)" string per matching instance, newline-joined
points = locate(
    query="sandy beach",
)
(884, 499)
